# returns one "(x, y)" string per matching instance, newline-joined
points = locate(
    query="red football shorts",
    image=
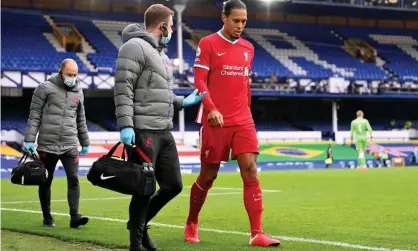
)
(216, 142)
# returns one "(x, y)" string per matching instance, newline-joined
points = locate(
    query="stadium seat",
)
(24, 46)
(396, 46)
(297, 51)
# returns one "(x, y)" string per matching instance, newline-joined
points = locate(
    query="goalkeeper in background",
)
(359, 128)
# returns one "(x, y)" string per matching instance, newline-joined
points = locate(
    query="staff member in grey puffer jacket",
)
(57, 112)
(145, 105)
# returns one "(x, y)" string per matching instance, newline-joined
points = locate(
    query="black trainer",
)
(135, 237)
(49, 222)
(147, 242)
(78, 220)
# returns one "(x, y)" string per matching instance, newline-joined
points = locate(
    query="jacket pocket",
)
(46, 107)
(148, 84)
(148, 88)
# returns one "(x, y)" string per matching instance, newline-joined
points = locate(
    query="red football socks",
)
(253, 203)
(198, 195)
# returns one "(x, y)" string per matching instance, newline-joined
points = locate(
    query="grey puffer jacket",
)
(143, 83)
(57, 112)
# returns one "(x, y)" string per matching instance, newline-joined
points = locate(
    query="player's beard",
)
(237, 34)
(234, 35)
(231, 33)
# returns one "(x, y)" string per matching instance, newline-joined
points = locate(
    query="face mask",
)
(166, 40)
(70, 82)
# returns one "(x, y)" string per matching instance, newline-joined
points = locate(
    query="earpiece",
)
(164, 29)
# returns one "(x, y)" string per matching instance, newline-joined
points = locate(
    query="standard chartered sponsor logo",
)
(234, 70)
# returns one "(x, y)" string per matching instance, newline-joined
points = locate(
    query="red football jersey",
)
(228, 65)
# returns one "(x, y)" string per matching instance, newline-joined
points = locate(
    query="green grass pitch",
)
(348, 209)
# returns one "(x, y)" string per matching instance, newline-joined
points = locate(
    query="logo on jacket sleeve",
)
(75, 99)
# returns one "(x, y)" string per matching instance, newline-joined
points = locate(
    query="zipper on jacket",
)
(169, 93)
(147, 90)
(63, 116)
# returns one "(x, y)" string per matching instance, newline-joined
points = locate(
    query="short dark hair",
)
(232, 4)
(156, 13)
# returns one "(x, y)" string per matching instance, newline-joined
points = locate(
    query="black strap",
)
(112, 151)
(34, 155)
(125, 148)
(123, 152)
(129, 150)
(25, 156)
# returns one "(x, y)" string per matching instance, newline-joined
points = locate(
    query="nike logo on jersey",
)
(220, 54)
(105, 178)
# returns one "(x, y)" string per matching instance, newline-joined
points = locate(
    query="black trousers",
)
(69, 160)
(160, 147)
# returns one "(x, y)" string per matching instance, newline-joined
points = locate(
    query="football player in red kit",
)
(222, 69)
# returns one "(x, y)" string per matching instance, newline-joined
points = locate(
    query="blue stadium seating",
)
(36, 60)
(320, 39)
(279, 42)
(265, 64)
(316, 37)
(91, 15)
(189, 53)
(339, 57)
(17, 123)
(313, 70)
(397, 60)
(106, 52)
(24, 47)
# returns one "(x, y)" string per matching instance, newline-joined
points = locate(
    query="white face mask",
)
(70, 82)
(166, 40)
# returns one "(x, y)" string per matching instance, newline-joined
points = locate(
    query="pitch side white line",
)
(284, 238)
(223, 188)
(106, 198)
(128, 197)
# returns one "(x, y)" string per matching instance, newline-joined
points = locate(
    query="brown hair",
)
(156, 14)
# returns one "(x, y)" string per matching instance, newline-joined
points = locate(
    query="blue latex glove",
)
(193, 98)
(127, 136)
(30, 147)
(84, 151)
